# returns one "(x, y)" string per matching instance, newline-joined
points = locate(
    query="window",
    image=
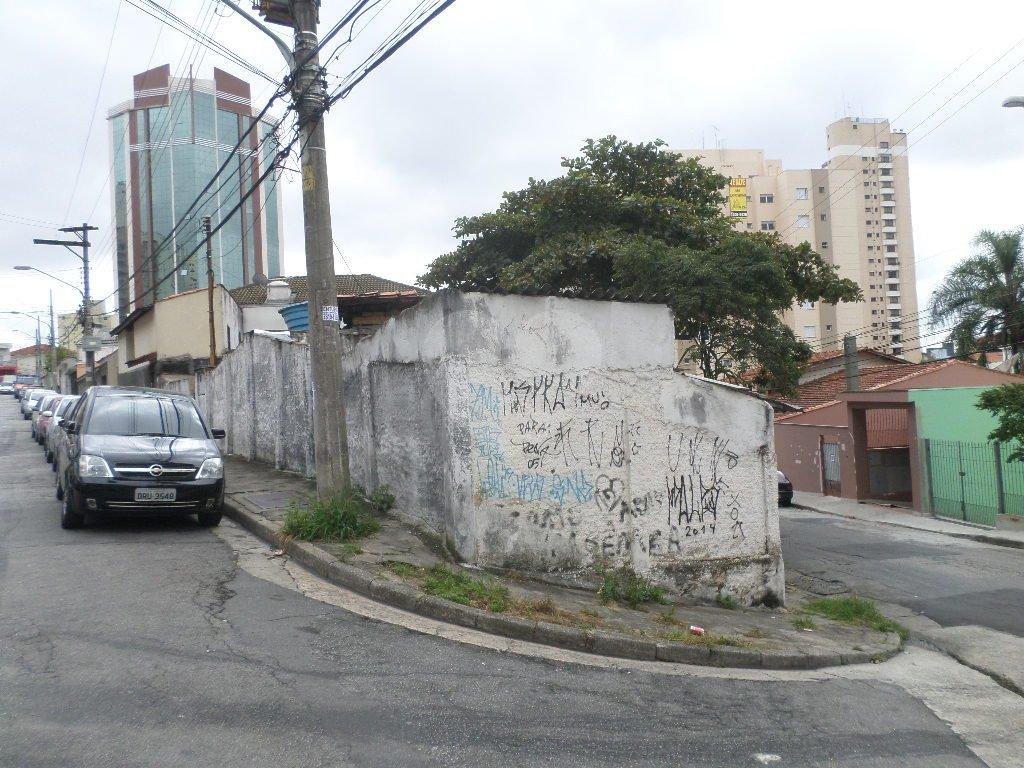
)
(890, 249)
(821, 190)
(828, 327)
(886, 185)
(885, 159)
(865, 171)
(822, 217)
(874, 311)
(866, 184)
(867, 210)
(129, 415)
(803, 221)
(749, 225)
(810, 331)
(801, 193)
(767, 226)
(883, 144)
(871, 234)
(767, 198)
(824, 244)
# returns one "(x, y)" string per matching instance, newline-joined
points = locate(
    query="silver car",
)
(31, 400)
(53, 432)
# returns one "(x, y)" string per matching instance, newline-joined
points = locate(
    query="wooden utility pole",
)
(209, 289)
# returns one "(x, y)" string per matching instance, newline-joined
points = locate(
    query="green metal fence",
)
(972, 482)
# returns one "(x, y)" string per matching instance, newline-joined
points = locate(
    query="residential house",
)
(32, 360)
(860, 440)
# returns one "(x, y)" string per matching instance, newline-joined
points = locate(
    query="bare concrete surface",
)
(156, 644)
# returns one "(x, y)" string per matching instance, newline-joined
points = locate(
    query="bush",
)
(382, 499)
(461, 588)
(624, 585)
(347, 515)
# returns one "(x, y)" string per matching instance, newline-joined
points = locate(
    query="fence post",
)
(1000, 496)
(928, 474)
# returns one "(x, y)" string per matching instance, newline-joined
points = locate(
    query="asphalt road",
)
(144, 644)
(952, 581)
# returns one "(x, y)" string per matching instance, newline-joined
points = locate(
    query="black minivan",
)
(139, 451)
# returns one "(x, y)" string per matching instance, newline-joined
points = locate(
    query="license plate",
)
(155, 494)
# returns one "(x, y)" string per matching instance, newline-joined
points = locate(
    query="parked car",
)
(24, 381)
(42, 407)
(7, 384)
(785, 490)
(53, 432)
(140, 451)
(31, 399)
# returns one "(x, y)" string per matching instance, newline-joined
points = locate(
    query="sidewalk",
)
(394, 566)
(1010, 536)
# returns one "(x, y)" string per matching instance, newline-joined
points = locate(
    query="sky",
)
(493, 93)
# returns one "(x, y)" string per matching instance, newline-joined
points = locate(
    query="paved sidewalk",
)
(1012, 535)
(392, 566)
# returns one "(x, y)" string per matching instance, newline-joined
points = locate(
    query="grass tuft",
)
(726, 601)
(705, 639)
(458, 587)
(856, 611)
(802, 622)
(402, 569)
(626, 586)
(348, 515)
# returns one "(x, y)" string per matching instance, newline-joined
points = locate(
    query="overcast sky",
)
(493, 93)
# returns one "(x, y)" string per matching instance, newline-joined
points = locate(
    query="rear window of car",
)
(65, 404)
(46, 402)
(144, 415)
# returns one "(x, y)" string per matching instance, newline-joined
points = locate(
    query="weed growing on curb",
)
(402, 569)
(802, 622)
(626, 586)
(458, 587)
(726, 601)
(348, 515)
(756, 633)
(705, 639)
(856, 611)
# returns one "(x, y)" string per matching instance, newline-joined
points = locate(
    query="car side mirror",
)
(218, 434)
(71, 428)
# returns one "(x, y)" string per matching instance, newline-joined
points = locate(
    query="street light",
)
(25, 268)
(53, 335)
(1014, 101)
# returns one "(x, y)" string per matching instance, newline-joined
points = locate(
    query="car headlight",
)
(212, 469)
(93, 466)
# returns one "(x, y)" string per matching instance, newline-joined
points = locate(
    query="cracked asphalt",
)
(143, 643)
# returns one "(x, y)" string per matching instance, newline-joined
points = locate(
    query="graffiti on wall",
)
(565, 448)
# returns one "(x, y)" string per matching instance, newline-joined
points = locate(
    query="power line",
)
(95, 107)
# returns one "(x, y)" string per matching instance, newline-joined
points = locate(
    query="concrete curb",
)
(599, 642)
(983, 538)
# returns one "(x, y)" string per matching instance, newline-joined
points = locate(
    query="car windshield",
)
(145, 415)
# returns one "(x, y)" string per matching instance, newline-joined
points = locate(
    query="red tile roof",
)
(825, 391)
(347, 285)
(29, 351)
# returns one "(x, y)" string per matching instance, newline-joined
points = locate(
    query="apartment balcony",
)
(888, 216)
(895, 331)
(892, 281)
(885, 177)
(885, 166)
(889, 229)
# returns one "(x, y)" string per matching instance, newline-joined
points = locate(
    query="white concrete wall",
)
(544, 433)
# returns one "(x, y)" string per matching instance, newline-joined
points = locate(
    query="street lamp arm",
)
(52, 277)
(281, 45)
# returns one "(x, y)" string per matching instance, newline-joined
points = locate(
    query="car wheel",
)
(60, 490)
(209, 519)
(69, 516)
(49, 458)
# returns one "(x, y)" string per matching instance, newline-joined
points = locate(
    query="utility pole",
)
(83, 243)
(39, 352)
(53, 345)
(309, 97)
(209, 289)
(851, 363)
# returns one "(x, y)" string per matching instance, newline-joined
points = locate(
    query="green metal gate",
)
(972, 482)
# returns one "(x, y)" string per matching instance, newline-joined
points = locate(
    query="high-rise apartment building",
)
(855, 211)
(167, 142)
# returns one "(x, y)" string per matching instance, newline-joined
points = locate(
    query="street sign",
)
(90, 343)
(330, 313)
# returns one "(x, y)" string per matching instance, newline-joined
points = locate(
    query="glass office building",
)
(167, 143)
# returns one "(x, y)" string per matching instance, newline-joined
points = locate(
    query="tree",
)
(633, 221)
(1006, 403)
(983, 296)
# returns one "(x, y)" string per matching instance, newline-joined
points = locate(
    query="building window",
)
(828, 327)
(865, 171)
(767, 226)
(865, 184)
(885, 159)
(803, 221)
(749, 225)
(801, 193)
(824, 244)
(890, 249)
(810, 332)
(822, 217)
(883, 144)
(767, 198)
(874, 311)
(821, 190)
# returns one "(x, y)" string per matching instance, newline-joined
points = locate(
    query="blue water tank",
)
(296, 316)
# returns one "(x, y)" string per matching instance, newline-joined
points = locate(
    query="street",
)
(951, 581)
(147, 644)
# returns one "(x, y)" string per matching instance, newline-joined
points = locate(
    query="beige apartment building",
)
(855, 211)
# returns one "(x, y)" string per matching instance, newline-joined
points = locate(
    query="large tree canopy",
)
(635, 221)
(983, 296)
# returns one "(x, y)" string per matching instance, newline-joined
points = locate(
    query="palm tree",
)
(983, 295)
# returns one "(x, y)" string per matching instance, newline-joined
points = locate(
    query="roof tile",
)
(348, 285)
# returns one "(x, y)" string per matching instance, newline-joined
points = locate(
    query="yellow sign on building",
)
(738, 196)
